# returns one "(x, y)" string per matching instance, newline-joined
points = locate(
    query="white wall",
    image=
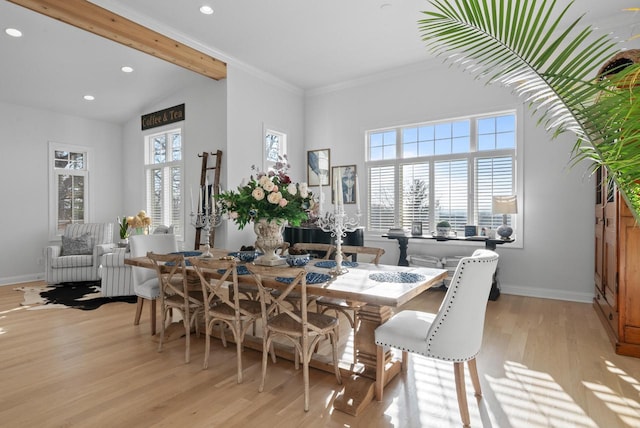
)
(24, 215)
(255, 101)
(556, 255)
(204, 130)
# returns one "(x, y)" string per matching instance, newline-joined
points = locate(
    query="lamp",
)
(505, 205)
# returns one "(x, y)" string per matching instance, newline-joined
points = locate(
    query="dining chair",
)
(174, 295)
(349, 308)
(250, 291)
(223, 305)
(321, 251)
(302, 328)
(145, 281)
(454, 333)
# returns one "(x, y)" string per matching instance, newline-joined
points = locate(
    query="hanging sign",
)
(163, 117)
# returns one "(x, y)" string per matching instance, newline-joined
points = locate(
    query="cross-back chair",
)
(302, 328)
(224, 305)
(174, 295)
(454, 333)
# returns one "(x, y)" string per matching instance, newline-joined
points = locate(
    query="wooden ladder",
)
(215, 189)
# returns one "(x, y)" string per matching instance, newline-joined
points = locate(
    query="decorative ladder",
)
(216, 189)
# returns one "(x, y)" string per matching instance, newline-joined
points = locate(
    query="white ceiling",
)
(306, 44)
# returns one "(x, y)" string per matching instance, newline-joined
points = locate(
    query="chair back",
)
(140, 245)
(172, 276)
(213, 289)
(323, 251)
(101, 233)
(456, 332)
(291, 279)
(348, 251)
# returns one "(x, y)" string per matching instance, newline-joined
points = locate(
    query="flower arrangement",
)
(138, 221)
(270, 195)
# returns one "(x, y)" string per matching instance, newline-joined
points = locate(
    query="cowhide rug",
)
(79, 295)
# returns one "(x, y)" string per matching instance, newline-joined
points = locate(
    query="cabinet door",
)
(599, 247)
(610, 255)
(629, 281)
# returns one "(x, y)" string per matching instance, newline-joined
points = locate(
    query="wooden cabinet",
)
(617, 268)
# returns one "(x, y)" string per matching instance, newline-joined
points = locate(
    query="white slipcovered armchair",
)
(84, 245)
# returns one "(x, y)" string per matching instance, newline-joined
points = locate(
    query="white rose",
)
(268, 186)
(274, 197)
(292, 189)
(258, 194)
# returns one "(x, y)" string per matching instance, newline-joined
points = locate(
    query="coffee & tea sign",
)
(163, 117)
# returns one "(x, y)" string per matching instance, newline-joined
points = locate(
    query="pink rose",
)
(283, 202)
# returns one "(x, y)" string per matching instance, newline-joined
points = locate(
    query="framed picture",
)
(347, 175)
(416, 228)
(318, 163)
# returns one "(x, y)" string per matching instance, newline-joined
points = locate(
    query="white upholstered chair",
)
(453, 334)
(78, 257)
(145, 281)
(115, 275)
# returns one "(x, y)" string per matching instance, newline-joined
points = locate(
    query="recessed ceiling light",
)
(13, 32)
(89, 97)
(207, 10)
(127, 69)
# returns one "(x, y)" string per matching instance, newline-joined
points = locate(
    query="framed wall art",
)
(318, 164)
(347, 176)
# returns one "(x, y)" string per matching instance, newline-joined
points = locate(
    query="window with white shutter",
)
(164, 169)
(447, 170)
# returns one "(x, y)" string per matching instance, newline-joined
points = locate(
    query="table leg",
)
(403, 243)
(358, 389)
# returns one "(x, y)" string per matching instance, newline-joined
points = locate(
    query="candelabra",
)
(338, 223)
(206, 221)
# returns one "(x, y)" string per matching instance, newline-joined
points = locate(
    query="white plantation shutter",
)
(451, 190)
(414, 188)
(494, 177)
(382, 191)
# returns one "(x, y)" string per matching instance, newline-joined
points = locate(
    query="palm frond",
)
(524, 45)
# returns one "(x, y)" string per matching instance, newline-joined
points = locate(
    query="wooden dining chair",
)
(174, 295)
(302, 328)
(223, 305)
(454, 333)
(250, 291)
(321, 251)
(349, 308)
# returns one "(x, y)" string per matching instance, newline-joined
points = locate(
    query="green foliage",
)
(522, 45)
(443, 223)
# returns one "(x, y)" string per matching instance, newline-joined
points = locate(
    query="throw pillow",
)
(80, 245)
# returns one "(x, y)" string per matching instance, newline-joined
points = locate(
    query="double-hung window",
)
(164, 167)
(69, 187)
(437, 171)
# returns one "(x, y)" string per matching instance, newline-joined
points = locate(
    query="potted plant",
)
(443, 228)
(124, 232)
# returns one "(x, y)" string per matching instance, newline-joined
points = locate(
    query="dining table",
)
(382, 288)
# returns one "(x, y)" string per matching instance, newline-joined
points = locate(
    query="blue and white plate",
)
(332, 263)
(242, 270)
(312, 278)
(398, 277)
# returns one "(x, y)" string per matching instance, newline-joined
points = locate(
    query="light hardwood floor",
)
(544, 363)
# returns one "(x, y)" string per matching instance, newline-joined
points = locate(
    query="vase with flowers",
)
(139, 223)
(269, 200)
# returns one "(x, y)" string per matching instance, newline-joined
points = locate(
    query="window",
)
(438, 171)
(68, 187)
(164, 168)
(275, 146)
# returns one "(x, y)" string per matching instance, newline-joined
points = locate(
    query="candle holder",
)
(338, 223)
(207, 221)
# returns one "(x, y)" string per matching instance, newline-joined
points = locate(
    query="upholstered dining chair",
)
(349, 308)
(453, 334)
(223, 305)
(174, 295)
(145, 281)
(302, 328)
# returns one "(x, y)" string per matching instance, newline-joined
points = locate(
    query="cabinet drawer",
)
(607, 312)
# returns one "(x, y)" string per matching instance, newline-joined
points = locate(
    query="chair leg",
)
(139, 304)
(207, 342)
(305, 375)
(405, 361)
(153, 317)
(266, 343)
(336, 366)
(379, 372)
(473, 372)
(237, 333)
(458, 370)
(187, 329)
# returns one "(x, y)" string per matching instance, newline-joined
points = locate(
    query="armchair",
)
(79, 267)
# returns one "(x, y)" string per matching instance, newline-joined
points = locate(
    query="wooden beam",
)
(100, 21)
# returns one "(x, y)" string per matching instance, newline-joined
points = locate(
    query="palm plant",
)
(522, 45)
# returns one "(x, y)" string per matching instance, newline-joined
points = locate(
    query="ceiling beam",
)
(100, 21)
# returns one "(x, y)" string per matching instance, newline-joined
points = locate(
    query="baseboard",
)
(545, 293)
(22, 278)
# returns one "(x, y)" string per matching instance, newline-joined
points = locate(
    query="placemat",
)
(398, 277)
(312, 278)
(332, 263)
(241, 269)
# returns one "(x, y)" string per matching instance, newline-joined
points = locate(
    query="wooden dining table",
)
(381, 288)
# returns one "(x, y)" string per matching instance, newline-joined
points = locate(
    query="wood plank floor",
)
(544, 363)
